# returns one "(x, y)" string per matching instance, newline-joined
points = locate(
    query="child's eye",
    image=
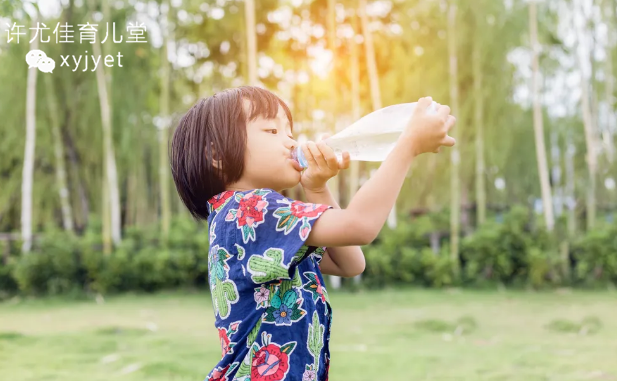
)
(273, 129)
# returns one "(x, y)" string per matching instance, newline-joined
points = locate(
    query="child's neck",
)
(242, 185)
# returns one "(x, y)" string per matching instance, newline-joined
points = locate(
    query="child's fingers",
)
(309, 156)
(443, 112)
(328, 154)
(344, 164)
(448, 141)
(316, 154)
(451, 122)
(422, 105)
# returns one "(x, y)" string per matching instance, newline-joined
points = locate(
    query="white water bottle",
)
(373, 136)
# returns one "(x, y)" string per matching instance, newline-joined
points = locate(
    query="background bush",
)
(517, 252)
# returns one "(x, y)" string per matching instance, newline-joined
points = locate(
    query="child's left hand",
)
(322, 165)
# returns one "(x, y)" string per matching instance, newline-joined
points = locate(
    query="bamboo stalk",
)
(28, 169)
(455, 187)
(537, 122)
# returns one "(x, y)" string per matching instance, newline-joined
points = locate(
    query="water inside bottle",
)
(368, 147)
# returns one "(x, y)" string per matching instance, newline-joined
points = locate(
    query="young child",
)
(231, 158)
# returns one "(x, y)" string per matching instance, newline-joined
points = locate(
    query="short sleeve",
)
(271, 230)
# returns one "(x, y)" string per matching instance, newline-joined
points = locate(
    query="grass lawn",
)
(389, 335)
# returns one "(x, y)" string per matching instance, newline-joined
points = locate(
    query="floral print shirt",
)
(271, 308)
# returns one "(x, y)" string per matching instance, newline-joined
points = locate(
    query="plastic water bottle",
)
(372, 137)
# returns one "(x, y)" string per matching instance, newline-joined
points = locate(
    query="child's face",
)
(267, 161)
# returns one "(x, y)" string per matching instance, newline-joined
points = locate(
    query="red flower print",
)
(224, 341)
(327, 367)
(220, 199)
(301, 209)
(219, 375)
(269, 364)
(250, 210)
(320, 289)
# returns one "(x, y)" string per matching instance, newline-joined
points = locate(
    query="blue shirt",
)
(271, 308)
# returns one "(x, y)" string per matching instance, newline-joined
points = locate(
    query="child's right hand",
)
(428, 132)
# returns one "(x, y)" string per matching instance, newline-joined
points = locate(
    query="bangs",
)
(263, 103)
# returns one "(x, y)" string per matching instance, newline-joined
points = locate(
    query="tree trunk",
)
(251, 39)
(373, 76)
(590, 139)
(609, 89)
(108, 148)
(570, 178)
(537, 122)
(479, 119)
(455, 187)
(333, 183)
(63, 189)
(354, 166)
(28, 169)
(84, 202)
(163, 133)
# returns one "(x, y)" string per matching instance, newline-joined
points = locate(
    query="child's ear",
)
(216, 160)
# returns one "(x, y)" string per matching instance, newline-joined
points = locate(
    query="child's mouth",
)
(294, 160)
(296, 165)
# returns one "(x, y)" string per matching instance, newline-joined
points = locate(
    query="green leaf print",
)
(261, 192)
(241, 251)
(269, 317)
(315, 339)
(268, 267)
(286, 220)
(288, 348)
(297, 314)
(248, 232)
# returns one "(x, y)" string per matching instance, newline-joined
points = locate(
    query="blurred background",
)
(498, 261)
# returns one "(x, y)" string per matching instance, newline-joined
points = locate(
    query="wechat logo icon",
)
(38, 58)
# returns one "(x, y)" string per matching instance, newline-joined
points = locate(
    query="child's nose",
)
(291, 143)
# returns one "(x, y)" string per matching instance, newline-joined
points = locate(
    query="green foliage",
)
(8, 285)
(518, 252)
(513, 252)
(402, 255)
(63, 262)
(595, 257)
(52, 268)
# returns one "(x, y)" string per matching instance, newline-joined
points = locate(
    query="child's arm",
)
(361, 221)
(345, 261)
